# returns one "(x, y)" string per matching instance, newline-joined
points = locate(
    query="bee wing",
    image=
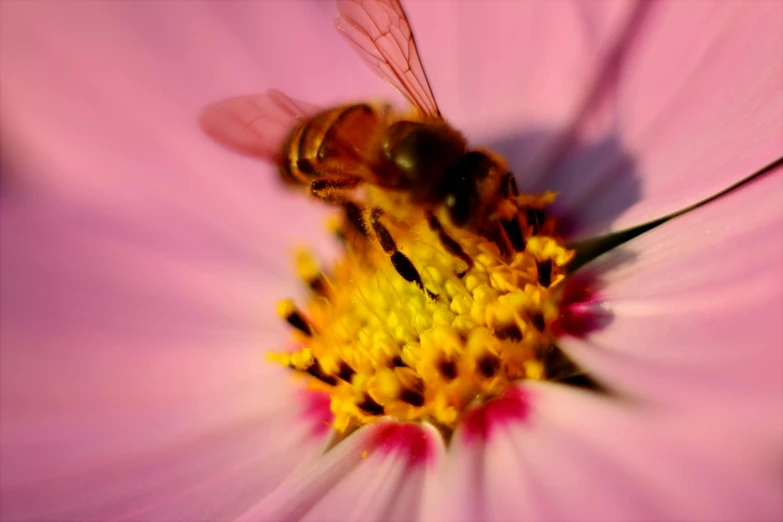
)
(382, 36)
(255, 124)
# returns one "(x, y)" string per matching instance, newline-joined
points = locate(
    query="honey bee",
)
(377, 163)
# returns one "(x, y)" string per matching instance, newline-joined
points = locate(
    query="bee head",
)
(459, 188)
(421, 154)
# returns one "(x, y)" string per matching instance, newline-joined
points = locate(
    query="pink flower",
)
(140, 265)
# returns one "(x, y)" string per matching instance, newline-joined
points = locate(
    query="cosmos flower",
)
(141, 265)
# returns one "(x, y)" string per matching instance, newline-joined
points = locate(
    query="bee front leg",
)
(449, 243)
(332, 190)
(400, 261)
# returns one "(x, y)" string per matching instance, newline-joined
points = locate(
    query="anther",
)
(316, 371)
(545, 273)
(510, 333)
(488, 365)
(308, 270)
(346, 373)
(412, 397)
(368, 405)
(448, 369)
(318, 285)
(537, 319)
(397, 361)
(287, 310)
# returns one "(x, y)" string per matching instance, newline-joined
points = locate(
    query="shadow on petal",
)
(608, 196)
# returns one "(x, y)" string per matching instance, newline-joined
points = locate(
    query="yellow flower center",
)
(380, 346)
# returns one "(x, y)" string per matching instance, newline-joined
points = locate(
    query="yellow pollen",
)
(382, 346)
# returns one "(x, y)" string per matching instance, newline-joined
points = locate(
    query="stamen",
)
(370, 406)
(380, 346)
(287, 310)
(448, 369)
(545, 273)
(346, 372)
(412, 397)
(316, 371)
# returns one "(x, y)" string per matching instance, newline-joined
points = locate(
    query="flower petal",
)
(580, 456)
(376, 473)
(678, 116)
(132, 375)
(695, 308)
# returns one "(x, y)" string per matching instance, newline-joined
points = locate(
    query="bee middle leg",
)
(400, 261)
(508, 233)
(449, 243)
(508, 187)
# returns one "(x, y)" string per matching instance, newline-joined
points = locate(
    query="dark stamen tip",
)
(296, 320)
(538, 321)
(368, 405)
(412, 397)
(346, 373)
(488, 365)
(316, 371)
(545, 273)
(318, 285)
(448, 369)
(511, 333)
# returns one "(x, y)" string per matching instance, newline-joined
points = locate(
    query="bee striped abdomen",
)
(331, 144)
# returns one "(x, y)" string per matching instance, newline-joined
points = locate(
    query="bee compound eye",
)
(460, 205)
(420, 153)
(475, 164)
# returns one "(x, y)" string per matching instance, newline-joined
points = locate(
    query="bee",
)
(377, 163)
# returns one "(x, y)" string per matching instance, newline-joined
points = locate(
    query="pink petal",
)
(692, 105)
(377, 473)
(580, 456)
(696, 306)
(134, 379)
(134, 382)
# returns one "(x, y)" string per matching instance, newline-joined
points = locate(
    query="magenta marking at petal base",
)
(404, 440)
(317, 411)
(511, 406)
(581, 309)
